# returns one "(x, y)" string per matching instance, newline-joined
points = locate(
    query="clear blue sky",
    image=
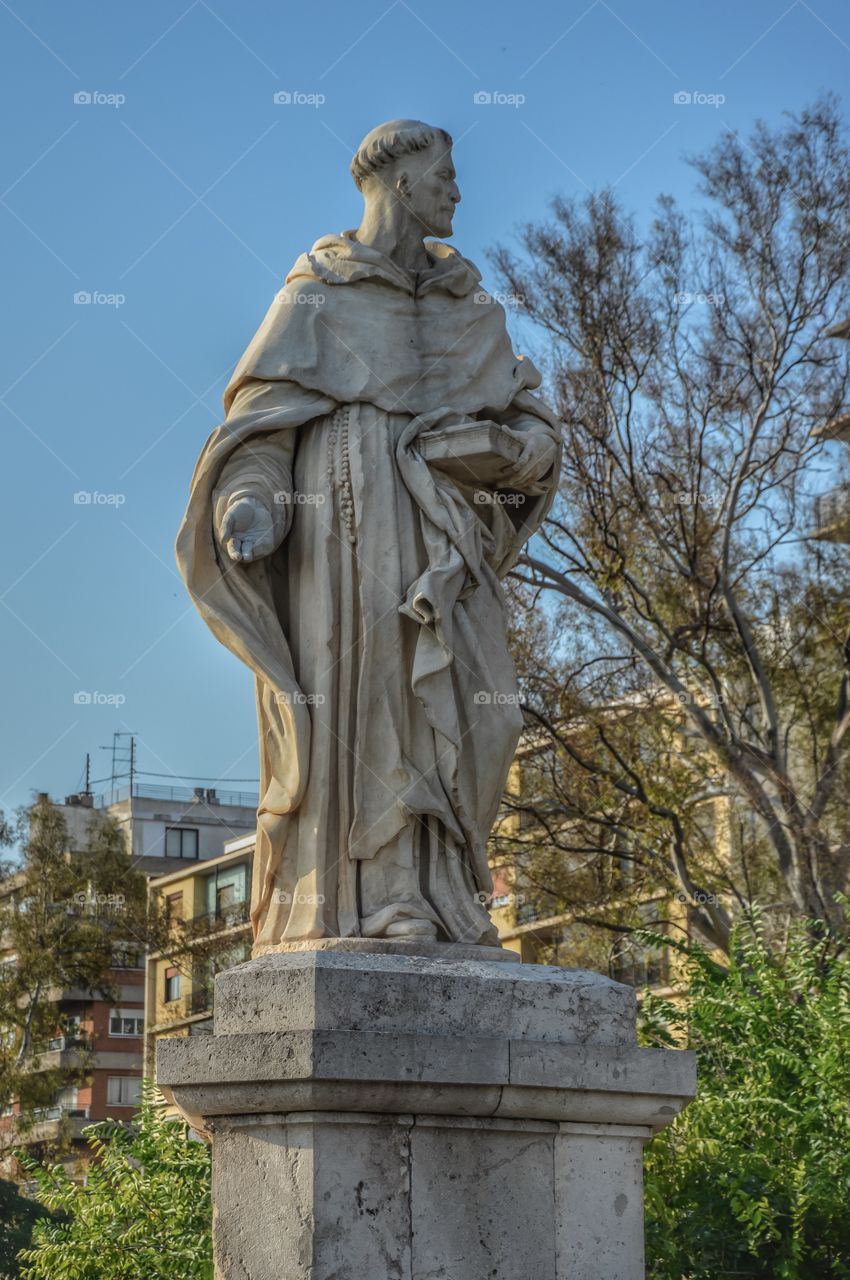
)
(191, 198)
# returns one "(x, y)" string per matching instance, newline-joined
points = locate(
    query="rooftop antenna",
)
(123, 762)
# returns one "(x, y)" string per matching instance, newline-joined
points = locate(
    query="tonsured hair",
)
(390, 141)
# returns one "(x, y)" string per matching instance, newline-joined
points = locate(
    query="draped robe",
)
(376, 631)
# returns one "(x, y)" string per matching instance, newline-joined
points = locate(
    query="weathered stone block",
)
(398, 1117)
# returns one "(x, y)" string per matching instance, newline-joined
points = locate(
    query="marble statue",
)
(382, 462)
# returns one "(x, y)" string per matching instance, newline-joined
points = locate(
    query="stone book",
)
(472, 453)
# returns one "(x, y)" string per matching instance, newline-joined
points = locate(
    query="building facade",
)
(208, 906)
(832, 508)
(168, 826)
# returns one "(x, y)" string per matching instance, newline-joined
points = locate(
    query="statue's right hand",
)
(247, 530)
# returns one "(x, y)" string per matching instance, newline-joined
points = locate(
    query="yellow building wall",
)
(192, 886)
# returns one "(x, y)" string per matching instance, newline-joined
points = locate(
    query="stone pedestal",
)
(386, 1116)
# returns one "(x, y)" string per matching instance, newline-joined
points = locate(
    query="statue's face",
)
(427, 185)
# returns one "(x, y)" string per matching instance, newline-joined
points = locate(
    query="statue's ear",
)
(402, 184)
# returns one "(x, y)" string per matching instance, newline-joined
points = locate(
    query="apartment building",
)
(168, 826)
(832, 508)
(533, 924)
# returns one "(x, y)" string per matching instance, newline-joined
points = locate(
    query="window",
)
(225, 897)
(125, 956)
(172, 984)
(126, 1022)
(123, 1091)
(226, 891)
(174, 903)
(636, 965)
(181, 842)
(204, 972)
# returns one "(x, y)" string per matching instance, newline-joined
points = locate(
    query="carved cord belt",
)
(339, 468)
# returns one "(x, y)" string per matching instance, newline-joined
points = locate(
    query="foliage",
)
(144, 1212)
(62, 912)
(690, 363)
(753, 1178)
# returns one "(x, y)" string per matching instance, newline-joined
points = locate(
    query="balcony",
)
(57, 1113)
(187, 933)
(62, 1051)
(222, 918)
(831, 513)
(48, 1124)
(64, 1042)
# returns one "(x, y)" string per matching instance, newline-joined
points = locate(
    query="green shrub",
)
(753, 1178)
(144, 1212)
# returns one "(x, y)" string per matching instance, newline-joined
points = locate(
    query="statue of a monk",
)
(361, 583)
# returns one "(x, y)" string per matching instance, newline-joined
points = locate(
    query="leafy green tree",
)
(691, 360)
(144, 1212)
(62, 913)
(753, 1178)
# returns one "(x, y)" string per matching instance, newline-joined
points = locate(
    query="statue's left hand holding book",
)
(489, 454)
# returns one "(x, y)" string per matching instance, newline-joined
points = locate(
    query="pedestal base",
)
(390, 947)
(391, 1117)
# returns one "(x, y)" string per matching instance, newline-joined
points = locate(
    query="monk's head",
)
(409, 164)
